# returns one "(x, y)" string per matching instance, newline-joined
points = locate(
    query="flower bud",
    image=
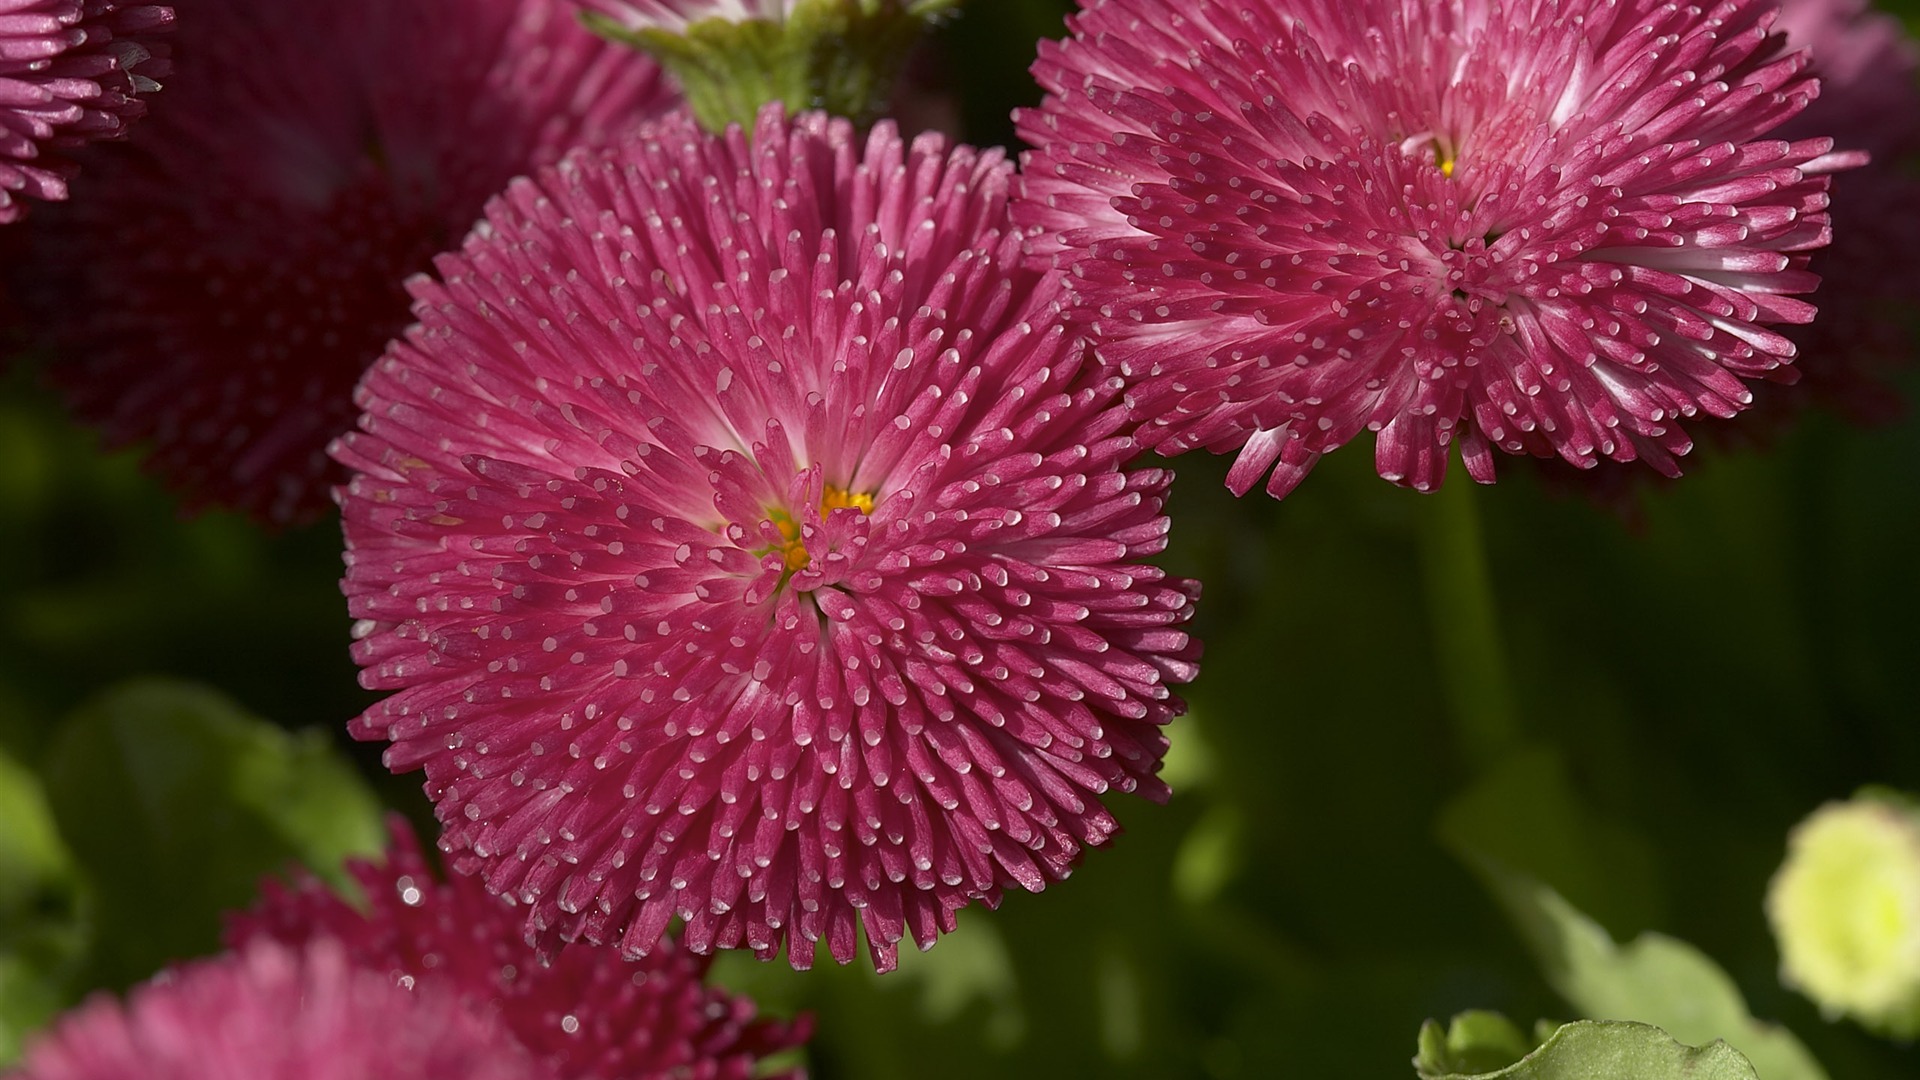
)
(1845, 909)
(733, 56)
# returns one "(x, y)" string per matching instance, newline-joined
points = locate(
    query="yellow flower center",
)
(792, 552)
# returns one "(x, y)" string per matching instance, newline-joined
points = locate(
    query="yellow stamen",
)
(841, 499)
(792, 552)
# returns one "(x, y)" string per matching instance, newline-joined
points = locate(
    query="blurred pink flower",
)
(1868, 101)
(1554, 228)
(271, 1013)
(71, 72)
(239, 263)
(584, 1012)
(1870, 273)
(748, 541)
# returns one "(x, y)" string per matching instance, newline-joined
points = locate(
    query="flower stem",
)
(1466, 628)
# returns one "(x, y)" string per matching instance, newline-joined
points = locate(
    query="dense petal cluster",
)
(239, 262)
(272, 1013)
(71, 72)
(585, 1012)
(1869, 101)
(747, 541)
(1551, 227)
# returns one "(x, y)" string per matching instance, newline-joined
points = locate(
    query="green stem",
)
(1466, 626)
(838, 55)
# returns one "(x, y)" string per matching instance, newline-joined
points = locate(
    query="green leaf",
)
(32, 858)
(1595, 1050)
(1475, 1042)
(1524, 813)
(1655, 978)
(176, 803)
(1522, 824)
(42, 927)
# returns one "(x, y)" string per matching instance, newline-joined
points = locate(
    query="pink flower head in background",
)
(1869, 101)
(1553, 227)
(271, 1013)
(71, 72)
(238, 264)
(586, 1014)
(747, 541)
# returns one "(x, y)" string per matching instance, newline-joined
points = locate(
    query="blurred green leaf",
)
(1655, 979)
(176, 802)
(1586, 1050)
(42, 933)
(32, 858)
(1473, 1043)
(1524, 813)
(1209, 856)
(1523, 831)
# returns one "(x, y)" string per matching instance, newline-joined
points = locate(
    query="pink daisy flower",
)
(583, 1013)
(71, 72)
(240, 261)
(1555, 227)
(747, 541)
(271, 1013)
(1869, 101)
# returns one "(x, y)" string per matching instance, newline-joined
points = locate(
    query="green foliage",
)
(175, 803)
(1524, 815)
(42, 928)
(1471, 1044)
(838, 55)
(1586, 1050)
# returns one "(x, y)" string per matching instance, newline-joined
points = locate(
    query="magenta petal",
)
(1438, 220)
(745, 539)
(270, 1011)
(220, 281)
(650, 1019)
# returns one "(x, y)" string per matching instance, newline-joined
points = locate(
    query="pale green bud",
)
(1845, 909)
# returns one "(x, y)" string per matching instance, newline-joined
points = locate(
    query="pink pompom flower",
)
(1869, 101)
(746, 540)
(585, 1013)
(71, 73)
(239, 263)
(273, 1013)
(1553, 227)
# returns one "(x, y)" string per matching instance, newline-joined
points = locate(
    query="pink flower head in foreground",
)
(1869, 101)
(71, 72)
(271, 1013)
(1551, 227)
(586, 1014)
(240, 262)
(747, 541)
